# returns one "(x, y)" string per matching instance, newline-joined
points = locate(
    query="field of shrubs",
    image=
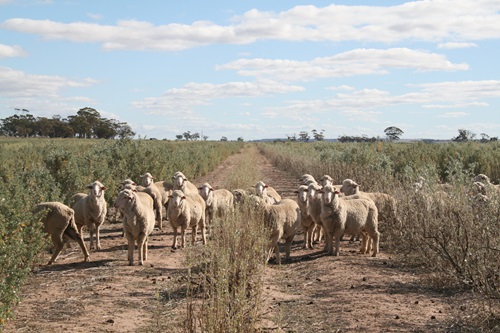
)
(440, 227)
(35, 170)
(450, 234)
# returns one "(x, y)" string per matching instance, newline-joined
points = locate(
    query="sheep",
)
(186, 211)
(487, 184)
(76, 197)
(283, 220)
(90, 211)
(59, 223)
(314, 209)
(218, 202)
(267, 193)
(386, 204)
(340, 215)
(308, 224)
(183, 184)
(327, 180)
(306, 179)
(156, 193)
(138, 221)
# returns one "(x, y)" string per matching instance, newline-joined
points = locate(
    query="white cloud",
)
(15, 83)
(351, 63)
(7, 51)
(366, 103)
(456, 45)
(342, 87)
(94, 16)
(432, 21)
(195, 94)
(453, 115)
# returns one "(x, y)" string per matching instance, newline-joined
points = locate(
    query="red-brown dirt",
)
(312, 293)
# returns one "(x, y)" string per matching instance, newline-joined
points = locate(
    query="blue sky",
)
(257, 69)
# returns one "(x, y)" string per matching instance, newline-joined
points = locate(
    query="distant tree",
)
(464, 136)
(393, 133)
(187, 135)
(240, 139)
(292, 138)
(179, 137)
(19, 125)
(195, 136)
(304, 136)
(318, 136)
(224, 139)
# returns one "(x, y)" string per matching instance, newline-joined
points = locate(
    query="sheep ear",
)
(336, 192)
(135, 190)
(211, 189)
(103, 188)
(266, 186)
(296, 192)
(89, 186)
(183, 197)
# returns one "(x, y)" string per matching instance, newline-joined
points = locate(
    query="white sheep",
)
(306, 179)
(218, 202)
(138, 221)
(183, 184)
(340, 215)
(328, 180)
(386, 204)
(495, 189)
(90, 211)
(314, 200)
(186, 211)
(157, 194)
(76, 197)
(267, 193)
(59, 223)
(283, 220)
(308, 224)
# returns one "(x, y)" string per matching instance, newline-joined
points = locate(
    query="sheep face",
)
(260, 187)
(96, 189)
(349, 187)
(302, 193)
(205, 191)
(482, 178)
(326, 180)
(147, 179)
(328, 194)
(179, 180)
(124, 198)
(177, 197)
(312, 189)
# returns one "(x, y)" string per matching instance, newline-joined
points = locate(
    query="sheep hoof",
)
(174, 247)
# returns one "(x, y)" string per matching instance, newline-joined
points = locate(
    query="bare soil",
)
(312, 293)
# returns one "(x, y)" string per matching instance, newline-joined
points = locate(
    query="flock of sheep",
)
(321, 210)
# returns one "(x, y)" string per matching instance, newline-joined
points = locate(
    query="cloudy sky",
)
(257, 69)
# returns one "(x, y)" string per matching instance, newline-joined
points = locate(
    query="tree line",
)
(87, 123)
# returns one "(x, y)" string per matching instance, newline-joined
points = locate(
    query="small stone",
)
(110, 321)
(433, 317)
(397, 317)
(364, 278)
(311, 302)
(318, 279)
(352, 286)
(463, 307)
(416, 302)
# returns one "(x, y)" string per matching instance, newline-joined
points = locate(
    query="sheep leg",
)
(310, 232)
(145, 249)
(194, 231)
(97, 238)
(203, 235)
(375, 237)
(288, 247)
(306, 240)
(273, 245)
(131, 247)
(91, 232)
(174, 245)
(141, 240)
(364, 243)
(183, 237)
(72, 233)
(159, 218)
(277, 253)
(58, 246)
(337, 244)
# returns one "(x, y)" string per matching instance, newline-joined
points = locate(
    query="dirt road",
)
(313, 293)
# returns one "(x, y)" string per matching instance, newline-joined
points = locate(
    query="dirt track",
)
(313, 293)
